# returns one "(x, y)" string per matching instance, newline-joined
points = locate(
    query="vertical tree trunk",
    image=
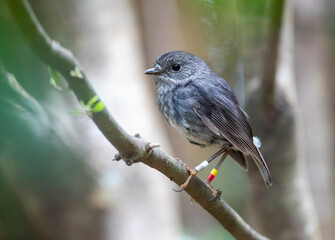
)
(315, 84)
(285, 210)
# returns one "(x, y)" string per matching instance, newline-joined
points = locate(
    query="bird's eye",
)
(176, 67)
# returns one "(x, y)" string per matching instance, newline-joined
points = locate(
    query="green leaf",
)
(76, 112)
(76, 73)
(92, 101)
(100, 106)
(82, 104)
(55, 79)
(93, 105)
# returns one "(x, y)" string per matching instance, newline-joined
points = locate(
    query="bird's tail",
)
(260, 163)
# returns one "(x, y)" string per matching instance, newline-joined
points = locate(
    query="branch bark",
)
(131, 149)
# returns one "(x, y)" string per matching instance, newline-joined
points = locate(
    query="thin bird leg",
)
(198, 168)
(214, 171)
(205, 163)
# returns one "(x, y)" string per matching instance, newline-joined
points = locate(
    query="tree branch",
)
(132, 149)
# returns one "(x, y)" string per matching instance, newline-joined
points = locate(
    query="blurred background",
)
(57, 177)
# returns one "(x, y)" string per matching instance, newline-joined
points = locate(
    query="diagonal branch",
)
(132, 149)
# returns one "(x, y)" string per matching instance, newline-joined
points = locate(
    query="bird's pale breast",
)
(180, 114)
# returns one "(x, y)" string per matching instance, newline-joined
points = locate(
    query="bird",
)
(203, 108)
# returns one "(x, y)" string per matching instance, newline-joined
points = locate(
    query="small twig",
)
(151, 146)
(132, 149)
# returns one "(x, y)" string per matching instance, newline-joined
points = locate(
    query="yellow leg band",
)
(214, 171)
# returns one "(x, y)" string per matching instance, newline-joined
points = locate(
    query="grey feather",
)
(203, 108)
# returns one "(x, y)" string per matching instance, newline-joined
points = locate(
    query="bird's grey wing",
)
(222, 115)
(225, 119)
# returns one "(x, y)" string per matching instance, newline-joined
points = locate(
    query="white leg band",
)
(201, 166)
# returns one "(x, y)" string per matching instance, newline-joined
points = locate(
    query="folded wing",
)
(223, 116)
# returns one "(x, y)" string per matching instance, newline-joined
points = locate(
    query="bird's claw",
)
(184, 185)
(180, 190)
(213, 197)
(192, 172)
(215, 193)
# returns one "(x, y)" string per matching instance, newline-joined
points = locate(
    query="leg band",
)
(201, 166)
(211, 176)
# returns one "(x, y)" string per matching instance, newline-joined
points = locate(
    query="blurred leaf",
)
(98, 107)
(75, 112)
(76, 73)
(86, 108)
(93, 105)
(55, 79)
(40, 176)
(92, 101)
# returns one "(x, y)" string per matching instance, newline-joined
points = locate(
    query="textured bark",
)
(314, 21)
(285, 210)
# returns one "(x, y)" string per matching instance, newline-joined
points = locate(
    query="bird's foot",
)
(215, 193)
(192, 172)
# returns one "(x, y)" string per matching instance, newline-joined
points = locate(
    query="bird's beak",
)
(153, 71)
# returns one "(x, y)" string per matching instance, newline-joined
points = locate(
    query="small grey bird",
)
(203, 108)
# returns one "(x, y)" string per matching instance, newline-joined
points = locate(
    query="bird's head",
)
(177, 67)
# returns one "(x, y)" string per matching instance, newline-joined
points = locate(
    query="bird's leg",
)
(214, 171)
(194, 171)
